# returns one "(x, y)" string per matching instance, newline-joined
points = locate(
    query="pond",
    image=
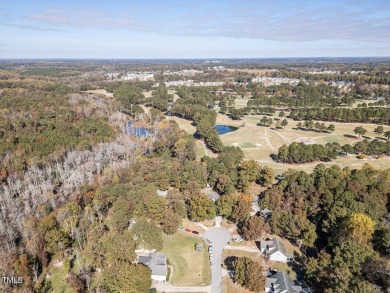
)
(141, 132)
(222, 129)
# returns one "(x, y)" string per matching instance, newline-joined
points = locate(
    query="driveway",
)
(220, 238)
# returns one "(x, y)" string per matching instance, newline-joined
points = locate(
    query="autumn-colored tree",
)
(22, 269)
(223, 183)
(254, 227)
(358, 227)
(201, 208)
(248, 274)
(242, 209)
(171, 221)
(225, 205)
(266, 176)
(125, 277)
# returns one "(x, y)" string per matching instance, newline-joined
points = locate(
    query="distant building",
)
(274, 250)
(281, 283)
(157, 262)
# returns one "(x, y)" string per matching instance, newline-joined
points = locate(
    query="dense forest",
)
(298, 153)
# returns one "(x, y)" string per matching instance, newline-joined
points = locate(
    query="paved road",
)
(219, 237)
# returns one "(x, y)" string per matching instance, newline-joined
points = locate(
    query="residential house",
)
(279, 282)
(157, 262)
(274, 250)
(266, 214)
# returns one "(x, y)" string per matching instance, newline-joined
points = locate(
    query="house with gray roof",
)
(279, 282)
(157, 262)
(266, 214)
(274, 250)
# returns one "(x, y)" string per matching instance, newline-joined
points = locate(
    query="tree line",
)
(297, 153)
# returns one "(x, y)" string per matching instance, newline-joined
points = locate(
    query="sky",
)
(132, 29)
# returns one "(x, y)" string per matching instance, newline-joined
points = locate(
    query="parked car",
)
(211, 264)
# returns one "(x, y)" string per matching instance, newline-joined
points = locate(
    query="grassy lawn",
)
(184, 124)
(58, 280)
(240, 253)
(229, 287)
(200, 151)
(190, 268)
(285, 268)
(188, 224)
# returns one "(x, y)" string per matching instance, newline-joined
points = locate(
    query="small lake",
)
(141, 132)
(222, 129)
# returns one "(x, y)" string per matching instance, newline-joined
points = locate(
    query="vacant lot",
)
(190, 267)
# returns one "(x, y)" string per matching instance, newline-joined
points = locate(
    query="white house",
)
(279, 282)
(274, 250)
(157, 262)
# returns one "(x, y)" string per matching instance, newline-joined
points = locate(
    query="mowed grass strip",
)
(190, 267)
